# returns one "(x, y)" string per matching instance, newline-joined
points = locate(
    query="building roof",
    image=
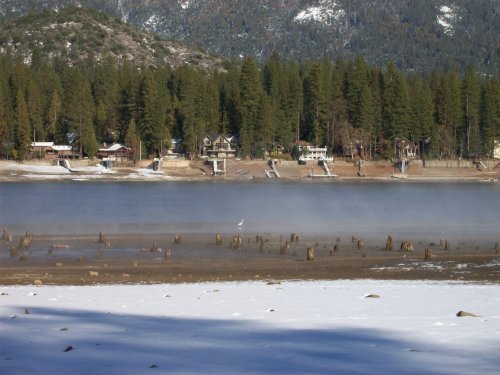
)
(213, 137)
(42, 144)
(62, 148)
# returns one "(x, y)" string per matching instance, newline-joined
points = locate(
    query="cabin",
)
(219, 146)
(352, 149)
(175, 150)
(40, 147)
(406, 149)
(50, 151)
(116, 151)
(61, 152)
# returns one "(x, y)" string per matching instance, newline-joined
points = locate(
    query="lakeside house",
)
(309, 152)
(115, 152)
(219, 146)
(175, 150)
(406, 149)
(50, 151)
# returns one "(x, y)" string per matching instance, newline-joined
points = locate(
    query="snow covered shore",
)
(295, 327)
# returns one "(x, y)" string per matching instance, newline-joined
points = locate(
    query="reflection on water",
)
(280, 207)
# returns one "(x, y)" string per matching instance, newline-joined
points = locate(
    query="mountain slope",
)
(75, 34)
(417, 35)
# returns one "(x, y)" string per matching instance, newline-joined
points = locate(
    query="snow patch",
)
(327, 12)
(152, 22)
(185, 4)
(447, 18)
(320, 327)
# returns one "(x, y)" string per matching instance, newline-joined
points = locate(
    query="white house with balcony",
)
(313, 153)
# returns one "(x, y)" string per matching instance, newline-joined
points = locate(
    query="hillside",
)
(77, 34)
(417, 35)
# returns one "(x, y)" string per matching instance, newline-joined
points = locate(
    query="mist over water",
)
(466, 210)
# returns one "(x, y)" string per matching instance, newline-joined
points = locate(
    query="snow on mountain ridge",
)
(326, 12)
(447, 18)
(185, 3)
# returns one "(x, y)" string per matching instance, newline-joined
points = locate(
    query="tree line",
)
(272, 105)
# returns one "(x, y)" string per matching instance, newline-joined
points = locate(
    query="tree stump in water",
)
(166, 255)
(406, 246)
(360, 244)
(446, 245)
(284, 248)
(6, 236)
(310, 254)
(389, 244)
(218, 239)
(428, 254)
(177, 240)
(102, 237)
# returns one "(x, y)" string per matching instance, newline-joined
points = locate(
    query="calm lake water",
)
(464, 209)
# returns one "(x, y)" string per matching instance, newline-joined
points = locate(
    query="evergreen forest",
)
(267, 106)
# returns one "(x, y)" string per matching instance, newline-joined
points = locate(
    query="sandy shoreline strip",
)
(236, 171)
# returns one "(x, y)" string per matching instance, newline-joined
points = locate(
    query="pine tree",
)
(422, 127)
(470, 105)
(132, 139)
(211, 105)
(4, 128)
(23, 128)
(395, 104)
(189, 104)
(490, 115)
(88, 138)
(275, 87)
(78, 107)
(376, 83)
(33, 102)
(453, 107)
(359, 95)
(105, 90)
(230, 113)
(151, 129)
(127, 101)
(250, 100)
(316, 105)
(52, 116)
(264, 131)
(293, 109)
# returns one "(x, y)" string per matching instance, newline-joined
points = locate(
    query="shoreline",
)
(382, 171)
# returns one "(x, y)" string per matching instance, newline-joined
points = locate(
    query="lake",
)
(464, 210)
